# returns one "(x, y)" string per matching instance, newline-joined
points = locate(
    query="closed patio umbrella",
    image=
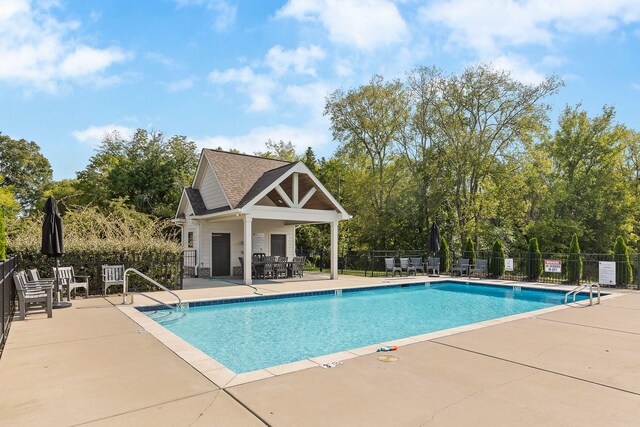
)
(434, 239)
(52, 242)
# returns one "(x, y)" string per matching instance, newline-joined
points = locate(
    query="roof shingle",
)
(243, 177)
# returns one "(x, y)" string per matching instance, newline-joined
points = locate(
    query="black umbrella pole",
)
(57, 303)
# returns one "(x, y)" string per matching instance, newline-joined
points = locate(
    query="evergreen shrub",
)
(624, 271)
(574, 263)
(534, 260)
(496, 262)
(470, 251)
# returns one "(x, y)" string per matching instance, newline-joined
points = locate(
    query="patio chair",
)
(269, 267)
(280, 267)
(297, 267)
(112, 275)
(480, 267)
(36, 280)
(406, 266)
(417, 264)
(433, 264)
(390, 266)
(36, 294)
(67, 274)
(462, 267)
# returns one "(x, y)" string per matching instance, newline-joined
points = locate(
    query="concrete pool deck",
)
(91, 364)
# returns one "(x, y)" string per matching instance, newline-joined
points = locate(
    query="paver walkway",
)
(91, 364)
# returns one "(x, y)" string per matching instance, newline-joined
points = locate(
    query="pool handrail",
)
(125, 289)
(575, 291)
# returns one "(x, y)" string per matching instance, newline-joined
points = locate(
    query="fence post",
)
(181, 272)
(638, 268)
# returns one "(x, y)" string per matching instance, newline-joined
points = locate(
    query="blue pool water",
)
(246, 336)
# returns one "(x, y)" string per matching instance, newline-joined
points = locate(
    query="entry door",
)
(220, 254)
(278, 245)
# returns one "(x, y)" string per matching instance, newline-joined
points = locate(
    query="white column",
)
(334, 250)
(248, 241)
(294, 190)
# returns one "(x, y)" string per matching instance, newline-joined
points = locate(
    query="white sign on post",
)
(257, 244)
(552, 266)
(607, 273)
(508, 264)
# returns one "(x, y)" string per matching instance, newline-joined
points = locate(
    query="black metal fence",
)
(554, 265)
(165, 268)
(7, 297)
(190, 260)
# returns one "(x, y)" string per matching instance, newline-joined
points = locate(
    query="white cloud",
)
(312, 95)
(258, 87)
(519, 67)
(488, 27)
(180, 85)
(301, 60)
(343, 68)
(94, 135)
(86, 61)
(256, 138)
(363, 24)
(225, 12)
(40, 51)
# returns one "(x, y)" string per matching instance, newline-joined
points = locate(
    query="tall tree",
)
(279, 150)
(25, 169)
(369, 122)
(590, 194)
(472, 122)
(147, 170)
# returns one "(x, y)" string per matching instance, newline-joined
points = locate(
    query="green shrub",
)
(496, 262)
(624, 271)
(574, 263)
(470, 251)
(534, 260)
(3, 238)
(445, 256)
(93, 238)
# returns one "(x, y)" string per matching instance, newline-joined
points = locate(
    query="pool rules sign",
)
(607, 273)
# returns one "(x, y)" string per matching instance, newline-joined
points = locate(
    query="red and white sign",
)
(552, 266)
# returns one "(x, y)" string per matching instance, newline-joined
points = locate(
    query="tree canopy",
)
(474, 152)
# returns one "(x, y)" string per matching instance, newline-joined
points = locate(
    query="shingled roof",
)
(243, 177)
(197, 204)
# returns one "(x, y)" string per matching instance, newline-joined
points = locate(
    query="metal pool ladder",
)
(575, 291)
(150, 280)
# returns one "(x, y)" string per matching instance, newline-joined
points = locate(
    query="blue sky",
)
(237, 73)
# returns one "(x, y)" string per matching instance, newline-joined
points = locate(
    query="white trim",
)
(197, 174)
(224, 193)
(295, 189)
(306, 197)
(284, 196)
(295, 214)
(300, 168)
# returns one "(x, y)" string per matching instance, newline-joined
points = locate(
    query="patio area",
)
(91, 364)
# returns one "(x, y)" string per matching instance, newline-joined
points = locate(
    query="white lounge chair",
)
(405, 265)
(462, 267)
(433, 264)
(67, 274)
(390, 266)
(417, 264)
(34, 293)
(112, 275)
(480, 267)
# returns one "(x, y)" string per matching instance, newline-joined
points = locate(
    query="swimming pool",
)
(248, 334)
